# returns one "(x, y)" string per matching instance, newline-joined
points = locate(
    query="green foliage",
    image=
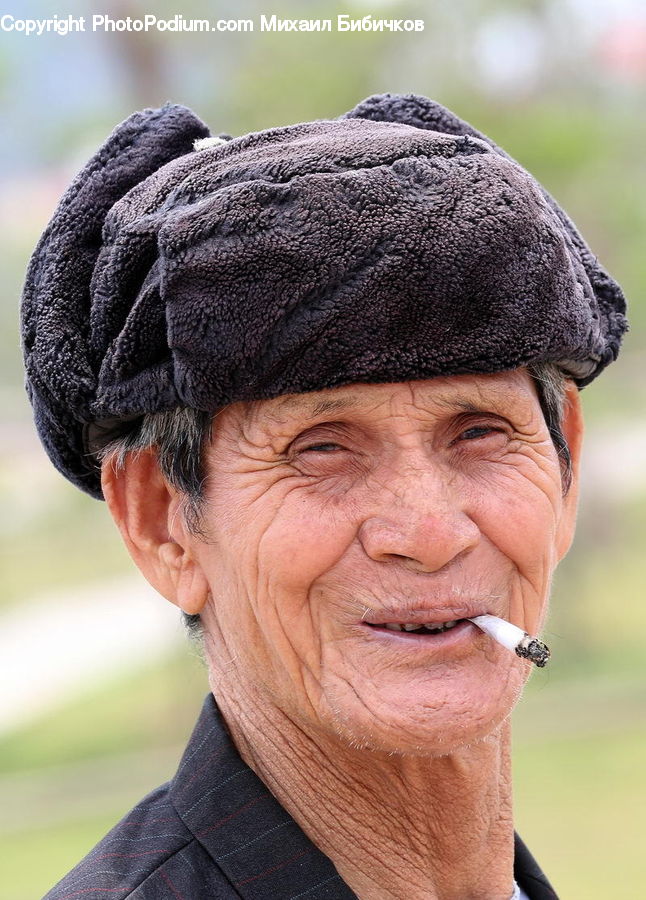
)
(579, 804)
(33, 861)
(70, 539)
(153, 708)
(598, 615)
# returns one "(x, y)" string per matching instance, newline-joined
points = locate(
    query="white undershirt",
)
(519, 893)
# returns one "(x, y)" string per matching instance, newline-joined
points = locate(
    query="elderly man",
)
(326, 378)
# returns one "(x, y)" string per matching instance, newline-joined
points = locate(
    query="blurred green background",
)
(99, 686)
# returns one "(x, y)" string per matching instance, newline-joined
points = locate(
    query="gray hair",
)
(180, 436)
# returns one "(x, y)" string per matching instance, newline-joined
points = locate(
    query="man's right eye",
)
(319, 448)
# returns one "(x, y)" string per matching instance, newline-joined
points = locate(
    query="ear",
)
(147, 512)
(572, 428)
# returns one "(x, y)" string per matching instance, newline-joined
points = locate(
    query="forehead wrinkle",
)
(477, 398)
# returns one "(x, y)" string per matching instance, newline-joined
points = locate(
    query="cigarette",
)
(514, 638)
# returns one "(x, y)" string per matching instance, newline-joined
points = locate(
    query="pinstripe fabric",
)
(214, 832)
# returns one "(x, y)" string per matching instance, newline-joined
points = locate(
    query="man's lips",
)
(429, 616)
(421, 640)
(430, 626)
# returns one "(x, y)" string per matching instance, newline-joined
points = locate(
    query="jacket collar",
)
(241, 825)
(253, 840)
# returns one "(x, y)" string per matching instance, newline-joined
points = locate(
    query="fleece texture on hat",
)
(392, 243)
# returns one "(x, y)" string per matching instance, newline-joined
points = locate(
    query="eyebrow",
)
(315, 408)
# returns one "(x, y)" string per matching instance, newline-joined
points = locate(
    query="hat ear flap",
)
(55, 306)
(414, 109)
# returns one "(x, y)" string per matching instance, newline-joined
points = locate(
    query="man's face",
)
(330, 514)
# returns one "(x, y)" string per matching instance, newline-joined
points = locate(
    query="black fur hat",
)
(392, 243)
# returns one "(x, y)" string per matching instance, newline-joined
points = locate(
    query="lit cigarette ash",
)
(514, 638)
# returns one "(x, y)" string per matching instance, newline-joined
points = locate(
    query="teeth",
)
(435, 627)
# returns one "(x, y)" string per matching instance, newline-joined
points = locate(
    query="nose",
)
(417, 519)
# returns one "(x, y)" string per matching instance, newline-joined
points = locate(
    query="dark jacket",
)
(215, 831)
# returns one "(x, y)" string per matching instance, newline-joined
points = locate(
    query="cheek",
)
(518, 515)
(307, 537)
(271, 551)
(520, 522)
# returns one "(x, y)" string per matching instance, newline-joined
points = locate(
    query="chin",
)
(423, 723)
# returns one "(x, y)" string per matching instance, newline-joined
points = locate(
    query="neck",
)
(396, 827)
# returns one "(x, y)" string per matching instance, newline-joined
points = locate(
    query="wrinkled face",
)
(332, 514)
